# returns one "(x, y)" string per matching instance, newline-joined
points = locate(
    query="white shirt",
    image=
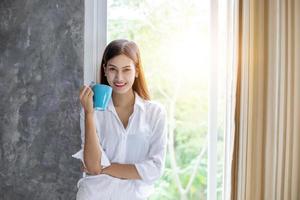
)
(142, 143)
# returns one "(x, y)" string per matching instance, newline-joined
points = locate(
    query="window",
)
(184, 47)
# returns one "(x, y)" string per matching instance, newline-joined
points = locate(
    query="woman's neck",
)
(123, 100)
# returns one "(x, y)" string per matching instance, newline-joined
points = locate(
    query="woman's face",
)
(120, 73)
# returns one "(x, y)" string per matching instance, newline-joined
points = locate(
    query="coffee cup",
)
(102, 95)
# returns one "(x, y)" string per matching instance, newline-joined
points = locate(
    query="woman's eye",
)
(127, 70)
(111, 69)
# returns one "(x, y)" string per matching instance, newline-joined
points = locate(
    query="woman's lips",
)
(119, 85)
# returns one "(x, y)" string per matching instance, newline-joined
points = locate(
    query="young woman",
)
(124, 147)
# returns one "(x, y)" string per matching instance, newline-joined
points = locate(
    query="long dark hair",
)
(131, 50)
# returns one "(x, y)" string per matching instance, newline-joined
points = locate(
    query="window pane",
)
(174, 39)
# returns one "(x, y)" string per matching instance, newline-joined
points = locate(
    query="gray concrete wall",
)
(41, 70)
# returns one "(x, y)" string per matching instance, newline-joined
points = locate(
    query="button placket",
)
(124, 136)
(124, 133)
(123, 147)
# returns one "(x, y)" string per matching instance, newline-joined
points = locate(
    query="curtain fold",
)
(266, 150)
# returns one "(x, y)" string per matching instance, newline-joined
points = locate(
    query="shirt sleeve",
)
(79, 155)
(152, 169)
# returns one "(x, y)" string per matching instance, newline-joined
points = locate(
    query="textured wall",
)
(41, 59)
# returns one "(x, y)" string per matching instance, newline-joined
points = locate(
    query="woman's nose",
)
(119, 75)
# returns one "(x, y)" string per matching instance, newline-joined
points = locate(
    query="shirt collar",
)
(138, 102)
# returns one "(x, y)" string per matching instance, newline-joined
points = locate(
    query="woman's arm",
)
(150, 169)
(122, 171)
(92, 152)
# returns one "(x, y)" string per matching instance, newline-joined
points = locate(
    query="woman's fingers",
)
(82, 88)
(83, 169)
(85, 91)
(91, 93)
(82, 91)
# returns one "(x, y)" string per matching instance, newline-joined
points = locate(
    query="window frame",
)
(95, 40)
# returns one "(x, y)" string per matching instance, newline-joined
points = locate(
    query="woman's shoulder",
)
(154, 106)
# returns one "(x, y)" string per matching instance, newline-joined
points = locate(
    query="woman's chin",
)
(121, 90)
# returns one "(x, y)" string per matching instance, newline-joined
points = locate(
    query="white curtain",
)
(266, 150)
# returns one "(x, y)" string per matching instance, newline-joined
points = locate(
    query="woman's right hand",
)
(86, 99)
(82, 168)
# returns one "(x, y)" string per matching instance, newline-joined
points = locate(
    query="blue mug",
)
(102, 95)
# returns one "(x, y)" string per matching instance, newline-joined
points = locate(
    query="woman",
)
(124, 147)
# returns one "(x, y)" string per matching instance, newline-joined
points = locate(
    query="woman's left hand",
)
(83, 169)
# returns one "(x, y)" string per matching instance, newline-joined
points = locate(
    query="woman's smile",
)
(119, 85)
